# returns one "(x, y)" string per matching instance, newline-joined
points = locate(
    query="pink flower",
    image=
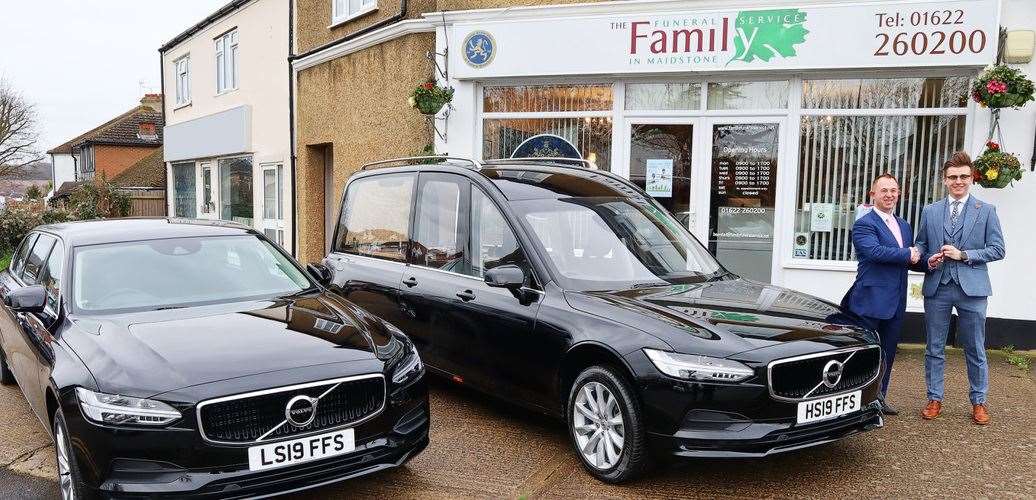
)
(996, 87)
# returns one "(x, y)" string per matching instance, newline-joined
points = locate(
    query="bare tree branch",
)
(18, 134)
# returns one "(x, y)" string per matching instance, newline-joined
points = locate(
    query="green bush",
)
(5, 260)
(98, 200)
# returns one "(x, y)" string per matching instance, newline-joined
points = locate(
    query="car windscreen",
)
(180, 272)
(612, 243)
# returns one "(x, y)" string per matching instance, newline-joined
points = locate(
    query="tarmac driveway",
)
(485, 449)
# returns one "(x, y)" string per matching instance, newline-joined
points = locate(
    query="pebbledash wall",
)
(759, 124)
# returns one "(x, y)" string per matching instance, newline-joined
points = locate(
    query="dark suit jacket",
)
(881, 274)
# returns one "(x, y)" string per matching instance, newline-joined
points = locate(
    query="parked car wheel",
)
(606, 425)
(6, 377)
(69, 479)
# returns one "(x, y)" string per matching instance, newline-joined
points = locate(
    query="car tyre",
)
(70, 481)
(606, 426)
(6, 377)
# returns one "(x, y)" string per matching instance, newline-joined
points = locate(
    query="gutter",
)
(357, 33)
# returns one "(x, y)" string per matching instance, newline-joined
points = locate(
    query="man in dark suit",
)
(884, 250)
(958, 236)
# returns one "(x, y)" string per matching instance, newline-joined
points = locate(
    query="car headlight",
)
(696, 367)
(409, 367)
(114, 409)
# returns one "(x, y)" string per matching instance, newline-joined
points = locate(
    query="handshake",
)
(936, 259)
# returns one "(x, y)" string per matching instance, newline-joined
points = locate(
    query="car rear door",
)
(368, 254)
(10, 326)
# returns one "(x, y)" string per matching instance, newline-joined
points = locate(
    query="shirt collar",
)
(963, 201)
(885, 216)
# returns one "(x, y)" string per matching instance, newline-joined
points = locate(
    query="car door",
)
(371, 243)
(26, 354)
(10, 327)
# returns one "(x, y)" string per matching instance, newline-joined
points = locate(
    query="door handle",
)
(410, 282)
(466, 295)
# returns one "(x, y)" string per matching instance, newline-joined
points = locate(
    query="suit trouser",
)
(971, 333)
(888, 332)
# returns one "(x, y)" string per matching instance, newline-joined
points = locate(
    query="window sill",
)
(182, 105)
(338, 21)
(227, 91)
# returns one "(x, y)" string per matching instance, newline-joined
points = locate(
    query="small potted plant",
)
(995, 168)
(429, 97)
(1002, 87)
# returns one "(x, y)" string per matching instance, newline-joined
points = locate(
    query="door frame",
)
(276, 223)
(213, 165)
(785, 167)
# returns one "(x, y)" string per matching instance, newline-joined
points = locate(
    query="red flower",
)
(996, 87)
(977, 175)
(428, 85)
(993, 146)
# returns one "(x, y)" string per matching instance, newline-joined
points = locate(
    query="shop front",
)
(760, 129)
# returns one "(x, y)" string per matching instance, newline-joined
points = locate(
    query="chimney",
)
(153, 101)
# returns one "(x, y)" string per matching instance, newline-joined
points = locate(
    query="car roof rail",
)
(556, 160)
(472, 164)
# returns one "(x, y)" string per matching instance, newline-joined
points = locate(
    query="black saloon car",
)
(184, 358)
(570, 291)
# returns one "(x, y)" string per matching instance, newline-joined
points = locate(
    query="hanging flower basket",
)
(1002, 87)
(996, 169)
(429, 98)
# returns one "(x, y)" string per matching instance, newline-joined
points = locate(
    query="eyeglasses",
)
(954, 178)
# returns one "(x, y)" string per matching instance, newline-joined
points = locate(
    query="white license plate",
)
(830, 407)
(296, 451)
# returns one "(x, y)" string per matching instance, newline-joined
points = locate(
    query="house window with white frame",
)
(344, 10)
(183, 80)
(226, 62)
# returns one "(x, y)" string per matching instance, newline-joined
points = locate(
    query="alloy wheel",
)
(64, 464)
(598, 425)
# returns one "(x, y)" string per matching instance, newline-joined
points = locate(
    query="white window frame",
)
(341, 12)
(227, 59)
(182, 77)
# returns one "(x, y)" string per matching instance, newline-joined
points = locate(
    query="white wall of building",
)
(262, 27)
(64, 169)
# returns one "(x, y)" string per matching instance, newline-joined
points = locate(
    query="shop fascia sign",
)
(872, 35)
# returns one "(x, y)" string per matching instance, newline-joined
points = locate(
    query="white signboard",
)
(658, 178)
(821, 216)
(873, 35)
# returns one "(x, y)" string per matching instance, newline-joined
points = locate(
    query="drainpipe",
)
(161, 83)
(291, 130)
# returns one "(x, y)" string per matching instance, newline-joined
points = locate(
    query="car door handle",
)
(410, 282)
(466, 295)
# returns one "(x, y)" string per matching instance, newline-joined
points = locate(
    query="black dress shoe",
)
(887, 409)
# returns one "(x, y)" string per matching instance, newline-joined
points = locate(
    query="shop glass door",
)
(660, 163)
(273, 211)
(209, 192)
(743, 156)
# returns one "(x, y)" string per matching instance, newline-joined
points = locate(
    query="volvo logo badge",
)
(301, 411)
(831, 375)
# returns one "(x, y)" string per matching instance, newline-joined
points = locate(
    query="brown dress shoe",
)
(980, 414)
(932, 410)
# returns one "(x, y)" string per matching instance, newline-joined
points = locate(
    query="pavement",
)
(483, 448)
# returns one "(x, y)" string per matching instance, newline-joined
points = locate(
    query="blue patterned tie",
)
(953, 216)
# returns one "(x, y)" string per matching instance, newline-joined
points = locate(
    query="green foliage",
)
(98, 200)
(5, 260)
(34, 193)
(429, 150)
(763, 40)
(1022, 361)
(429, 97)
(995, 168)
(1002, 87)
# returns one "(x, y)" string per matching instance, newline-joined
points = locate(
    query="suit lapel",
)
(877, 220)
(970, 215)
(944, 215)
(906, 232)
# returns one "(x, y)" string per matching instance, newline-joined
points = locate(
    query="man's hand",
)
(935, 260)
(951, 251)
(915, 255)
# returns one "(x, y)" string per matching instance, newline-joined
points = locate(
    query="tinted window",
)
(439, 238)
(52, 276)
(37, 258)
(19, 259)
(180, 272)
(375, 218)
(492, 241)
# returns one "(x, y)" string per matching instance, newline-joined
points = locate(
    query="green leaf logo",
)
(763, 34)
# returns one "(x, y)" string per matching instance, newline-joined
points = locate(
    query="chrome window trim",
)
(246, 395)
(851, 350)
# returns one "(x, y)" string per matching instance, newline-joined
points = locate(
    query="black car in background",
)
(183, 358)
(570, 291)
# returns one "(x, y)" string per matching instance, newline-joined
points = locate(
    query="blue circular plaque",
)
(479, 49)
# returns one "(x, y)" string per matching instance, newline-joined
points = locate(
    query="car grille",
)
(259, 416)
(802, 377)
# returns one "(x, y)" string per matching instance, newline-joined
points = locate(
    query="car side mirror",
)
(508, 276)
(31, 299)
(319, 271)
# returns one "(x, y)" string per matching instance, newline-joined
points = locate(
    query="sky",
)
(81, 62)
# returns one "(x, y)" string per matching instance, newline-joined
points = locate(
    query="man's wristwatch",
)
(963, 256)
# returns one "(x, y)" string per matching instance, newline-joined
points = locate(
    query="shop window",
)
(235, 190)
(184, 195)
(663, 96)
(885, 93)
(591, 136)
(841, 155)
(748, 95)
(547, 98)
